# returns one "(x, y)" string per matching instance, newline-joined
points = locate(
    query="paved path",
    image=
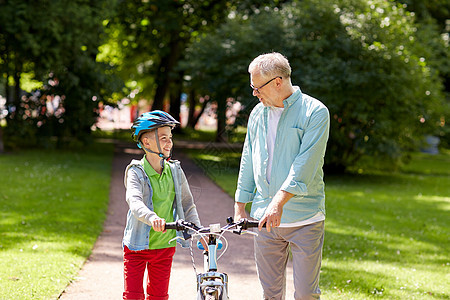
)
(102, 277)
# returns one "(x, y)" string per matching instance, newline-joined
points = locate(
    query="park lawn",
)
(387, 234)
(52, 208)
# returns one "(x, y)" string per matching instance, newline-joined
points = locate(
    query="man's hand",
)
(239, 211)
(159, 224)
(274, 211)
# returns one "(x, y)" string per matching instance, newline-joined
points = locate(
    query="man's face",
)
(164, 138)
(264, 89)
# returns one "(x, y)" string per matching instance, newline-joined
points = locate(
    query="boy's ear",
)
(144, 141)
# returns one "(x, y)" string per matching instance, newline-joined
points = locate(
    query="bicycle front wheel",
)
(211, 297)
(211, 294)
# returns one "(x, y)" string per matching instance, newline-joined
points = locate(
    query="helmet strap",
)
(157, 143)
(159, 148)
(160, 154)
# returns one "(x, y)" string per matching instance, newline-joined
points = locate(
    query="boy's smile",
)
(164, 139)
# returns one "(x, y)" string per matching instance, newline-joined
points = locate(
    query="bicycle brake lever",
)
(186, 235)
(237, 231)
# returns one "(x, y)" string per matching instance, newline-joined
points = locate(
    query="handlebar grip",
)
(180, 225)
(252, 224)
(245, 223)
(171, 225)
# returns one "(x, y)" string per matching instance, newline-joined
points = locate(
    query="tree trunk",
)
(164, 71)
(162, 82)
(16, 99)
(197, 118)
(175, 98)
(8, 101)
(2, 145)
(221, 121)
(191, 116)
(6, 64)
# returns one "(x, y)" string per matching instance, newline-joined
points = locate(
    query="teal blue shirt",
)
(298, 157)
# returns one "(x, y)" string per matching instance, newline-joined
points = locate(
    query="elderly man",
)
(281, 174)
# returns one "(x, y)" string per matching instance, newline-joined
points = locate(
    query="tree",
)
(155, 35)
(439, 10)
(217, 63)
(360, 59)
(382, 94)
(433, 33)
(41, 41)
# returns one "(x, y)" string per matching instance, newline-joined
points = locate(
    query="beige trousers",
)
(272, 253)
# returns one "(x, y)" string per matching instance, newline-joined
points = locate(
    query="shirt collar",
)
(149, 169)
(292, 98)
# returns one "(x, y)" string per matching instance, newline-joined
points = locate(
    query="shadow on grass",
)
(372, 284)
(69, 233)
(54, 199)
(383, 212)
(386, 221)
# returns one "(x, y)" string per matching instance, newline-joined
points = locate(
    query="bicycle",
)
(211, 284)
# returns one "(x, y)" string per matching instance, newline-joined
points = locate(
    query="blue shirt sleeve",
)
(246, 185)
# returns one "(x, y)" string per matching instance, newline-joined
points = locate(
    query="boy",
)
(157, 192)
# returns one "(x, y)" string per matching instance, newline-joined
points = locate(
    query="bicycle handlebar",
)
(182, 225)
(214, 232)
(249, 224)
(242, 224)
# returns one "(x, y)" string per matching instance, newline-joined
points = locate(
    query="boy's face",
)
(164, 138)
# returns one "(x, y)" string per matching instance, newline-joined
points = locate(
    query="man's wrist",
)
(281, 198)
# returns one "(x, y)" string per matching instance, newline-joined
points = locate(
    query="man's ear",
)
(279, 82)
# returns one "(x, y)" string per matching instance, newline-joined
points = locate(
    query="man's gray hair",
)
(270, 65)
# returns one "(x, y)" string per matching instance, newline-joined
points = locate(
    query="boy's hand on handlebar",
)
(159, 224)
(204, 240)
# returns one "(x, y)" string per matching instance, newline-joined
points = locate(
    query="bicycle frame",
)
(212, 284)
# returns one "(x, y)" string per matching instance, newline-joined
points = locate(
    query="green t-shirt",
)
(163, 198)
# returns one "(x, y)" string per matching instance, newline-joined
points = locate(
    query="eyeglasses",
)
(256, 89)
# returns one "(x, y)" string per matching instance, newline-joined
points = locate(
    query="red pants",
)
(158, 263)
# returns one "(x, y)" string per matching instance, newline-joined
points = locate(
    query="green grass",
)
(387, 234)
(52, 208)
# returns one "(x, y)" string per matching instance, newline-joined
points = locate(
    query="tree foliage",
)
(379, 66)
(359, 58)
(439, 10)
(154, 35)
(53, 42)
(218, 62)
